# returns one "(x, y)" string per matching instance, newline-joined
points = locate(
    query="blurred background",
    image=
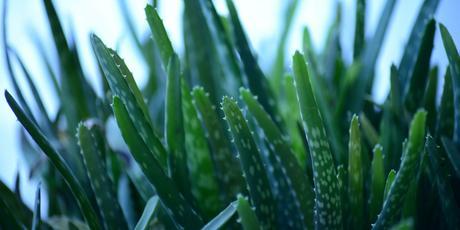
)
(261, 19)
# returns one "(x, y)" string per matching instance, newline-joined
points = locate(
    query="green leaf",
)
(407, 66)
(355, 176)
(93, 152)
(174, 128)
(20, 213)
(256, 80)
(122, 85)
(248, 217)
(406, 224)
(415, 88)
(390, 178)
(406, 173)
(328, 213)
(251, 163)
(228, 170)
(57, 160)
(377, 186)
(445, 119)
(429, 100)
(297, 180)
(454, 61)
(446, 193)
(36, 222)
(453, 154)
(166, 189)
(360, 24)
(369, 58)
(368, 129)
(148, 216)
(222, 218)
(159, 34)
(205, 187)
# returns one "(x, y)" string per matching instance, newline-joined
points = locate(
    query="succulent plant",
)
(298, 148)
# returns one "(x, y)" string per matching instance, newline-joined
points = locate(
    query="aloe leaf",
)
(57, 160)
(159, 34)
(222, 218)
(122, 84)
(93, 151)
(446, 193)
(414, 45)
(251, 163)
(248, 217)
(175, 202)
(228, 170)
(453, 154)
(406, 224)
(389, 181)
(415, 88)
(279, 62)
(406, 173)
(20, 213)
(148, 216)
(140, 182)
(445, 119)
(360, 24)
(328, 213)
(297, 180)
(430, 97)
(174, 128)
(377, 186)
(256, 80)
(36, 222)
(454, 61)
(368, 129)
(202, 174)
(369, 58)
(355, 175)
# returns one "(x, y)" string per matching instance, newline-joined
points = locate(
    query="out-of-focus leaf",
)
(355, 176)
(148, 216)
(251, 163)
(57, 160)
(247, 215)
(453, 154)
(406, 224)
(36, 222)
(406, 173)
(360, 24)
(377, 186)
(222, 218)
(328, 213)
(454, 61)
(429, 100)
(388, 183)
(20, 213)
(369, 131)
(445, 119)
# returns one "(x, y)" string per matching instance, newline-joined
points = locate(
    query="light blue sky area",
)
(261, 19)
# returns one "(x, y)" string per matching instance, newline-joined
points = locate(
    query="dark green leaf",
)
(36, 222)
(360, 24)
(355, 176)
(247, 215)
(377, 186)
(148, 216)
(159, 34)
(222, 218)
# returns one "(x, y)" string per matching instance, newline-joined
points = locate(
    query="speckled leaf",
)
(406, 173)
(228, 170)
(159, 34)
(122, 85)
(355, 176)
(247, 215)
(454, 61)
(148, 216)
(377, 184)
(297, 180)
(222, 218)
(57, 160)
(166, 189)
(202, 177)
(251, 163)
(93, 151)
(328, 204)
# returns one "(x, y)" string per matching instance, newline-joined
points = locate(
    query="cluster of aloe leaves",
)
(298, 148)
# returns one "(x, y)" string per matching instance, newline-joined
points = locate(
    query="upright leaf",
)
(377, 186)
(247, 215)
(57, 160)
(222, 218)
(355, 176)
(251, 163)
(159, 34)
(328, 205)
(406, 173)
(36, 222)
(148, 216)
(445, 118)
(360, 24)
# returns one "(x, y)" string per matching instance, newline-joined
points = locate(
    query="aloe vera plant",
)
(273, 156)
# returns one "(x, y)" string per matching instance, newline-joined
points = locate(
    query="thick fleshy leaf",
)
(148, 216)
(251, 163)
(328, 203)
(247, 215)
(222, 218)
(355, 176)
(57, 160)
(159, 34)
(406, 173)
(377, 186)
